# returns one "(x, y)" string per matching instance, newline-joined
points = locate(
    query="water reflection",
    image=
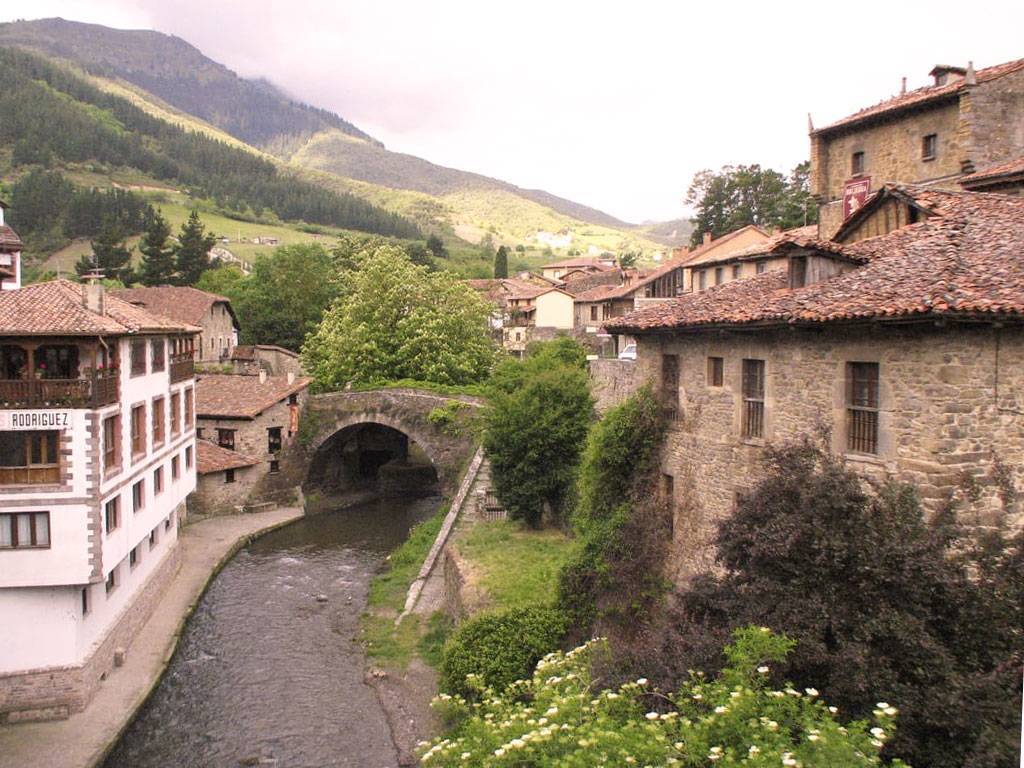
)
(269, 670)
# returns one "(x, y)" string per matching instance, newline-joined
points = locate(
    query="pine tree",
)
(157, 253)
(193, 250)
(501, 262)
(436, 246)
(110, 254)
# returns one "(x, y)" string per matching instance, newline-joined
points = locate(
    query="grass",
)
(514, 565)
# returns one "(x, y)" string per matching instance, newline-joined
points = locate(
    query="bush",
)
(497, 649)
(558, 717)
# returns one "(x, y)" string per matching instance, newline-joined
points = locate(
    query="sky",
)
(612, 104)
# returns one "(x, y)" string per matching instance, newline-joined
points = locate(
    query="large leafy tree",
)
(157, 267)
(395, 320)
(192, 253)
(110, 254)
(740, 195)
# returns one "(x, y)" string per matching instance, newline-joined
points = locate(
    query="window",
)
(275, 466)
(176, 413)
(188, 457)
(112, 580)
(138, 357)
(158, 421)
(199, 432)
(29, 458)
(753, 398)
(229, 475)
(25, 530)
(226, 438)
(133, 557)
(159, 353)
(735, 271)
(85, 601)
(273, 439)
(138, 496)
(670, 386)
(716, 371)
(111, 444)
(703, 280)
(112, 514)
(293, 398)
(158, 481)
(761, 267)
(719, 275)
(138, 430)
(154, 537)
(168, 522)
(798, 272)
(857, 164)
(862, 407)
(930, 146)
(188, 408)
(175, 468)
(593, 312)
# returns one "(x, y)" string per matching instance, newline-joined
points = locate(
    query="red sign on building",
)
(855, 194)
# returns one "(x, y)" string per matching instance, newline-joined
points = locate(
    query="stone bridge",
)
(345, 433)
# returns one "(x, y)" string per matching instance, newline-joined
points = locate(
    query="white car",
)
(628, 353)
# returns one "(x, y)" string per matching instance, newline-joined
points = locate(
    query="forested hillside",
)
(53, 116)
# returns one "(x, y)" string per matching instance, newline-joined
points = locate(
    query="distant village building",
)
(97, 457)
(965, 129)
(10, 255)
(212, 313)
(273, 360)
(558, 269)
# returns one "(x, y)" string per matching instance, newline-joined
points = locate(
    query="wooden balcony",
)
(59, 393)
(182, 368)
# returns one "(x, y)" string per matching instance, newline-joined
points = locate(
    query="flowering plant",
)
(560, 718)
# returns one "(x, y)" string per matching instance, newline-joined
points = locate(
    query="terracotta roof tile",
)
(966, 259)
(578, 262)
(231, 396)
(183, 303)
(921, 96)
(9, 239)
(214, 458)
(55, 308)
(1012, 168)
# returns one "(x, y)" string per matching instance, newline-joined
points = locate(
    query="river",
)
(269, 670)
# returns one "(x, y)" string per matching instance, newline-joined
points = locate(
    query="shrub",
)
(558, 717)
(499, 648)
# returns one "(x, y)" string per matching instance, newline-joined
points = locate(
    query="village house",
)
(10, 255)
(212, 313)
(250, 359)
(901, 341)
(251, 419)
(966, 128)
(557, 270)
(97, 457)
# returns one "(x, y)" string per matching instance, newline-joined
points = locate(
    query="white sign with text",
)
(24, 420)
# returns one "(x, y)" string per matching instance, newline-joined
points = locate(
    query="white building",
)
(10, 255)
(97, 456)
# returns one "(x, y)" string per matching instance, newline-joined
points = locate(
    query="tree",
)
(192, 253)
(629, 259)
(157, 267)
(421, 255)
(883, 606)
(436, 246)
(534, 431)
(748, 194)
(501, 262)
(110, 254)
(394, 320)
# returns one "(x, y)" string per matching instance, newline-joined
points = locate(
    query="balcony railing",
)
(59, 393)
(182, 369)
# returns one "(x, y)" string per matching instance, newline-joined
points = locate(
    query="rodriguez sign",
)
(24, 420)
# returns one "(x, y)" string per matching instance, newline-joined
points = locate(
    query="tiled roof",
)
(55, 308)
(996, 172)
(968, 259)
(214, 458)
(921, 96)
(248, 351)
(578, 262)
(183, 303)
(802, 237)
(232, 396)
(704, 252)
(600, 293)
(9, 239)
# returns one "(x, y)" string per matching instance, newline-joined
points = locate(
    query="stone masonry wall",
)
(951, 406)
(612, 381)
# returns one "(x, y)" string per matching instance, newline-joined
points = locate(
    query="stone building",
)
(905, 348)
(253, 417)
(965, 124)
(10, 255)
(226, 480)
(276, 361)
(185, 304)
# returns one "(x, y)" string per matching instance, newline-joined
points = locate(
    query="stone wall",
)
(612, 381)
(214, 496)
(951, 407)
(992, 121)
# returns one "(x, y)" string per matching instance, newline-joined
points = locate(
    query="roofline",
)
(885, 115)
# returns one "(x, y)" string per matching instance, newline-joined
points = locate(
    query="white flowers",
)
(763, 670)
(878, 733)
(754, 750)
(720, 710)
(788, 759)
(812, 692)
(715, 753)
(651, 715)
(641, 681)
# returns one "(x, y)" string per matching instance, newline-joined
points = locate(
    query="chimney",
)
(263, 376)
(903, 85)
(93, 292)
(970, 77)
(291, 377)
(707, 238)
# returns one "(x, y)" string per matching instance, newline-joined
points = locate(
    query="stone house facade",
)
(908, 361)
(966, 122)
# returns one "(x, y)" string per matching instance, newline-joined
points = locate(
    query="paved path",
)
(82, 740)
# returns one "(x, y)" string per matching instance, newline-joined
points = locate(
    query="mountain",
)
(256, 112)
(674, 232)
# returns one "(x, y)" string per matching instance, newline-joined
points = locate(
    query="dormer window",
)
(798, 272)
(857, 164)
(930, 146)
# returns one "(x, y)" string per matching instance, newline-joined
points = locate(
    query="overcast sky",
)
(615, 105)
